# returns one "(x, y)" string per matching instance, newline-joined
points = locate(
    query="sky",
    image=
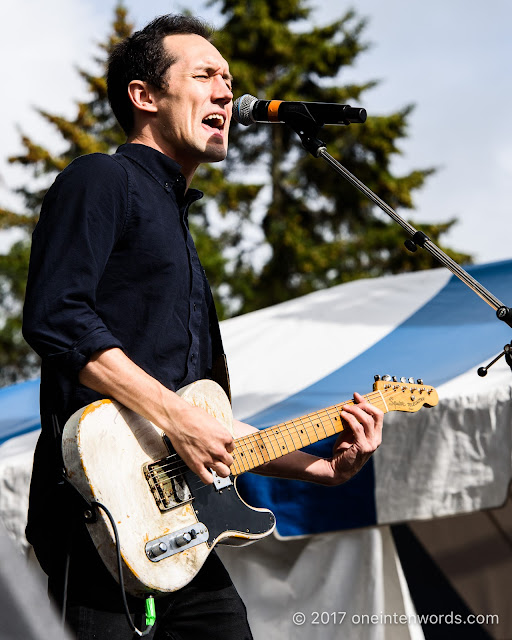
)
(449, 58)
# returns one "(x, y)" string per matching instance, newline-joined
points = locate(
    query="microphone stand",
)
(307, 128)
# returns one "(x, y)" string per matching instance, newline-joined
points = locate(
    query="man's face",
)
(194, 110)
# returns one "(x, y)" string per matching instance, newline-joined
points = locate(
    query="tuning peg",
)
(402, 379)
(411, 380)
(394, 379)
(420, 381)
(376, 377)
(387, 378)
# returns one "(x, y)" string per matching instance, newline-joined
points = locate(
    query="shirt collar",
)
(163, 169)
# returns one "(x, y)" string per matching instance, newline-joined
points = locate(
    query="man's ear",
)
(142, 96)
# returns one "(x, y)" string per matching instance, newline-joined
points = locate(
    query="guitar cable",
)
(64, 480)
(150, 602)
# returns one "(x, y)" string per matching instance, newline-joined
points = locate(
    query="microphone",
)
(247, 110)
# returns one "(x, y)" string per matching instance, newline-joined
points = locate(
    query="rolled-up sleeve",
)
(81, 220)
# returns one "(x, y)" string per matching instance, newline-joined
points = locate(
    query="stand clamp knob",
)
(507, 352)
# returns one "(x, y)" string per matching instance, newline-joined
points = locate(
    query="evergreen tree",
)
(318, 228)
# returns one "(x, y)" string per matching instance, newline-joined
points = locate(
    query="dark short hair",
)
(142, 56)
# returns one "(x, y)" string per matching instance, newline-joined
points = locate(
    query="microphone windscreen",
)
(242, 109)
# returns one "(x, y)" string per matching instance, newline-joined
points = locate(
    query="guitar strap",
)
(220, 374)
(220, 371)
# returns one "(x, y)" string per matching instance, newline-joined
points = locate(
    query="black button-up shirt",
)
(113, 264)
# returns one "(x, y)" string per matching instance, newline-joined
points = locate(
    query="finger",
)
(226, 460)
(221, 456)
(204, 474)
(370, 409)
(359, 398)
(371, 428)
(221, 470)
(367, 406)
(363, 417)
(366, 437)
(352, 422)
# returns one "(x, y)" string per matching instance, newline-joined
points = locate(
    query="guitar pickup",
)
(169, 489)
(177, 541)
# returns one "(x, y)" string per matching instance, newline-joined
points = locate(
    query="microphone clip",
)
(307, 128)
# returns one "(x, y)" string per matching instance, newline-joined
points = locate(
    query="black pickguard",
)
(224, 510)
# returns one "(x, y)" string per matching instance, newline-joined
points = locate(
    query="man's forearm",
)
(113, 374)
(297, 465)
(201, 441)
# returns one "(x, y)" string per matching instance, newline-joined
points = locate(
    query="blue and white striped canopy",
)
(315, 351)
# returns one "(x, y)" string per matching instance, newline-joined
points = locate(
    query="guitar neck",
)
(269, 444)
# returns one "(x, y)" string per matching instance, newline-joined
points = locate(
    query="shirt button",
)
(193, 357)
(195, 306)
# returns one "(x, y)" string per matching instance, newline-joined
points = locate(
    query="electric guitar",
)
(167, 519)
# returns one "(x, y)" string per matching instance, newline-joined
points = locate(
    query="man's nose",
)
(221, 90)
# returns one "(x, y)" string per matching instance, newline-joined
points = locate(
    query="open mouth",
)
(214, 121)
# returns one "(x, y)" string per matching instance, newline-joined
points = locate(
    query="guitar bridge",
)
(169, 489)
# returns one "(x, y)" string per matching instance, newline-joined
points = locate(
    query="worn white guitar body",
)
(107, 451)
(168, 521)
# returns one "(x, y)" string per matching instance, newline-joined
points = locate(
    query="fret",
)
(284, 434)
(266, 435)
(281, 438)
(337, 418)
(255, 449)
(243, 460)
(235, 468)
(248, 450)
(263, 448)
(269, 444)
(293, 430)
(301, 430)
(317, 425)
(306, 431)
(337, 424)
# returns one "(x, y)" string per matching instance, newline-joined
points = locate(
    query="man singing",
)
(118, 306)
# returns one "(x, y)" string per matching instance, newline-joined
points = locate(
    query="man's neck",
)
(149, 141)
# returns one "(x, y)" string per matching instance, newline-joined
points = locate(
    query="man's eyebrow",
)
(206, 66)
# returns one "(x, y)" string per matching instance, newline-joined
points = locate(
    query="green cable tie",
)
(150, 611)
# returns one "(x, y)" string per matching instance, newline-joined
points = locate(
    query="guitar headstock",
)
(405, 394)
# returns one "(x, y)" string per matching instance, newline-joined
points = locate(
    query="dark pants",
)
(209, 607)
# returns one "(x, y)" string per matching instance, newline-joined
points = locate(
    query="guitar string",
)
(243, 442)
(165, 469)
(198, 484)
(246, 441)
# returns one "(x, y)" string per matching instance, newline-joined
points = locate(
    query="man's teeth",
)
(215, 117)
